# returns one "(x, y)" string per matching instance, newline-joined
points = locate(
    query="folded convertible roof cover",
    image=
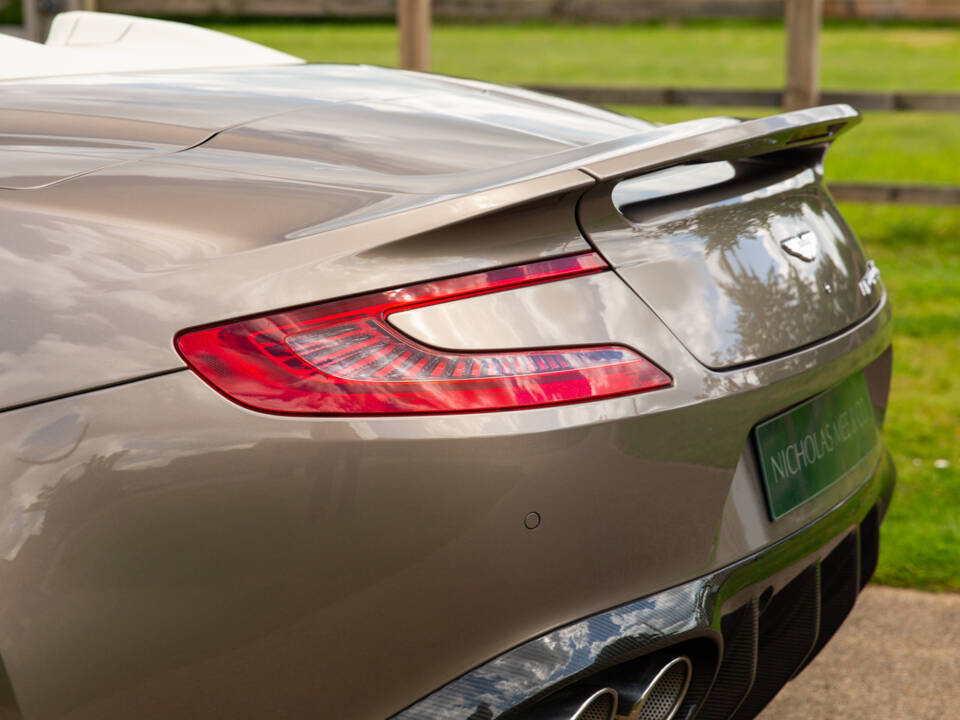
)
(82, 43)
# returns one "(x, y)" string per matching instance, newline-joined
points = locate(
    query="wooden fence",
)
(896, 193)
(737, 97)
(601, 11)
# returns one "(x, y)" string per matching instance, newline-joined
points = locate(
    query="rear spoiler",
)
(581, 168)
(764, 136)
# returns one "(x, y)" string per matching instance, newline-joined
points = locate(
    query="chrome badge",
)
(804, 246)
(869, 279)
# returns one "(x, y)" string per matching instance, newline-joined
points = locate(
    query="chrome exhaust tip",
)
(661, 696)
(602, 705)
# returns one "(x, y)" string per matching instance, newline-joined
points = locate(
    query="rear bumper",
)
(761, 619)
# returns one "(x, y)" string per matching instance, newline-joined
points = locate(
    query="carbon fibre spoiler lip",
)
(751, 138)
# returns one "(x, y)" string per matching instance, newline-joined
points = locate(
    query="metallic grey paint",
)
(165, 552)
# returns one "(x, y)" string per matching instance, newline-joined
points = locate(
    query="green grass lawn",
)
(917, 249)
(706, 54)
(918, 252)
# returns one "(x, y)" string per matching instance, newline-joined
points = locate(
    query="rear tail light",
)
(344, 358)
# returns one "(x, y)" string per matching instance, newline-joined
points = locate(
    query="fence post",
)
(33, 22)
(803, 20)
(413, 20)
(37, 16)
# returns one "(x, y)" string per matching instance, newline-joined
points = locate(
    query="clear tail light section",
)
(344, 358)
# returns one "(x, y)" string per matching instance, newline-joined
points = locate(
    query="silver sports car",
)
(350, 393)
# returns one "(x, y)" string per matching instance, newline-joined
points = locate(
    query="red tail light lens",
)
(344, 358)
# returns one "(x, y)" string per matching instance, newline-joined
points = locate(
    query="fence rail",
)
(740, 97)
(895, 194)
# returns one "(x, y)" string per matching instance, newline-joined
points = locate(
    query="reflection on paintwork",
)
(708, 259)
(541, 121)
(54, 440)
(344, 139)
(582, 311)
(671, 181)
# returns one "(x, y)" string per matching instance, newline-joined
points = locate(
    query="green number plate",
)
(807, 449)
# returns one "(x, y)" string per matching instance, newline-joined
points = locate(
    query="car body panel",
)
(342, 112)
(39, 149)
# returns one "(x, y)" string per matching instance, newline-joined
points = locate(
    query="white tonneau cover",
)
(82, 43)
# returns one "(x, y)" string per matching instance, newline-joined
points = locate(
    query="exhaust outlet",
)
(570, 704)
(658, 693)
(602, 705)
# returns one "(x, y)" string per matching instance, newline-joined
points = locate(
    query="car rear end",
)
(762, 473)
(604, 440)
